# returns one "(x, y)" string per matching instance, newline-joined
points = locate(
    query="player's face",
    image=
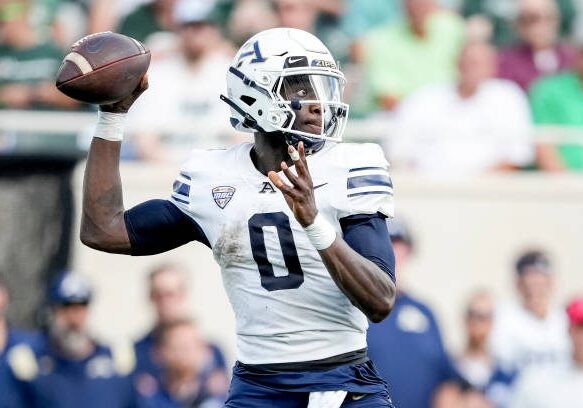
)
(168, 295)
(308, 95)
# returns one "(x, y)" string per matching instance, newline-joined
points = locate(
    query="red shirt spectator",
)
(523, 65)
(539, 53)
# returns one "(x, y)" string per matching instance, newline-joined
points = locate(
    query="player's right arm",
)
(149, 228)
(102, 220)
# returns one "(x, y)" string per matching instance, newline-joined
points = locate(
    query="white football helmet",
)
(285, 80)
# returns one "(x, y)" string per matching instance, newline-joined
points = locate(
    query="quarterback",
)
(295, 220)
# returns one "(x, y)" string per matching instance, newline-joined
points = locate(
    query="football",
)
(103, 68)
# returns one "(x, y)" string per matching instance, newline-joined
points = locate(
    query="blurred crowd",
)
(457, 86)
(63, 365)
(521, 352)
(525, 352)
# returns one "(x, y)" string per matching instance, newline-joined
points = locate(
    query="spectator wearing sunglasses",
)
(540, 51)
(476, 364)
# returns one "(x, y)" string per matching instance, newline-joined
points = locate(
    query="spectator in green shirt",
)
(361, 15)
(420, 49)
(558, 100)
(27, 66)
(148, 19)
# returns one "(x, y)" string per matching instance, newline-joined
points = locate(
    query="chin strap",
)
(311, 146)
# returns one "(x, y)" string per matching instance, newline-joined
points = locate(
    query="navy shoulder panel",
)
(157, 226)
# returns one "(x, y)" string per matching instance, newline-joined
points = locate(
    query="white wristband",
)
(110, 126)
(320, 233)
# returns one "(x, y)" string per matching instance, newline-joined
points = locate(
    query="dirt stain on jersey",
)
(231, 245)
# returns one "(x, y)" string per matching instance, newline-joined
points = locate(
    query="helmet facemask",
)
(310, 104)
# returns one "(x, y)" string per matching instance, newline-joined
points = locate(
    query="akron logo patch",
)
(222, 195)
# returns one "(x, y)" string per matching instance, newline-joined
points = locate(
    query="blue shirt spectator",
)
(57, 381)
(67, 368)
(10, 340)
(409, 354)
(406, 347)
(476, 364)
(144, 350)
(9, 396)
(188, 373)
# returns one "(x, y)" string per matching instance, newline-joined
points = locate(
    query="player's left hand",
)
(300, 195)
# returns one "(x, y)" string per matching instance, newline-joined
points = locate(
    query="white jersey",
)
(287, 307)
(520, 340)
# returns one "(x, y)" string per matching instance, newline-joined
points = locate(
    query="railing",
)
(70, 126)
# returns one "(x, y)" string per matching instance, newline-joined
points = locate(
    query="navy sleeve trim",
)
(368, 235)
(157, 226)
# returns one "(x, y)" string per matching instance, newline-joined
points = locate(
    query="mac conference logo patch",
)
(222, 195)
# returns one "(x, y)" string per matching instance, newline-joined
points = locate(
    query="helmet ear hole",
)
(249, 100)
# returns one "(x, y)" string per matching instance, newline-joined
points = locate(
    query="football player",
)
(295, 220)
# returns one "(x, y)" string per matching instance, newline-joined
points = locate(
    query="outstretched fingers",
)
(299, 158)
(290, 175)
(287, 190)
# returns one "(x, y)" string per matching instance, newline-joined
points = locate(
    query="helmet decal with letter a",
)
(285, 81)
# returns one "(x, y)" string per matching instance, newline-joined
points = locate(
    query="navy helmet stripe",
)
(367, 168)
(257, 52)
(369, 181)
(186, 176)
(247, 81)
(370, 192)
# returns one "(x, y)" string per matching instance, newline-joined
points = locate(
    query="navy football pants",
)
(253, 389)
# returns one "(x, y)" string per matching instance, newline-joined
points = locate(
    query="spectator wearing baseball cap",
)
(560, 386)
(188, 80)
(69, 368)
(407, 347)
(532, 331)
(10, 339)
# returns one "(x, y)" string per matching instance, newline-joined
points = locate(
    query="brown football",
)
(103, 68)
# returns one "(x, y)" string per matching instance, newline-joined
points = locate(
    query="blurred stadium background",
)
(478, 104)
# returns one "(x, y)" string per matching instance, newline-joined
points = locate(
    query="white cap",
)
(193, 11)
